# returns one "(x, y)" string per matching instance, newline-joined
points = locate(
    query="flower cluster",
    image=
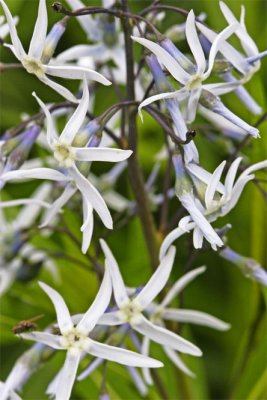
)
(61, 144)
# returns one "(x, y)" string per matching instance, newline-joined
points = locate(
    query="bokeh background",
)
(234, 363)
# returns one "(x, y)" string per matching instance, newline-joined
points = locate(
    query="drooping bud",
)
(185, 63)
(52, 40)
(161, 81)
(249, 267)
(183, 183)
(86, 133)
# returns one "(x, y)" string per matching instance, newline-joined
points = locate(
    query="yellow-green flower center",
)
(33, 67)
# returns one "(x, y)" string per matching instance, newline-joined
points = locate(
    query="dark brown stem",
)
(135, 174)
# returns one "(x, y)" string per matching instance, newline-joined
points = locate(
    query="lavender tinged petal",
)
(185, 63)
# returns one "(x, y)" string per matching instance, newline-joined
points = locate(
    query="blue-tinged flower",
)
(190, 76)
(249, 267)
(131, 310)
(76, 340)
(32, 61)
(213, 200)
(158, 313)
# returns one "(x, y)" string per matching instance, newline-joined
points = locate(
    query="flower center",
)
(75, 340)
(194, 83)
(64, 154)
(131, 312)
(33, 67)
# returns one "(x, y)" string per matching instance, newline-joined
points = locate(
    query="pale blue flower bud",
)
(52, 40)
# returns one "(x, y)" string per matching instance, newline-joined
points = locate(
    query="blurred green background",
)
(234, 363)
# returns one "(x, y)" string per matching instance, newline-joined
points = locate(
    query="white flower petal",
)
(63, 315)
(64, 92)
(158, 280)
(67, 376)
(19, 51)
(39, 34)
(88, 225)
(52, 135)
(231, 175)
(194, 43)
(188, 202)
(169, 239)
(20, 202)
(92, 195)
(166, 338)
(77, 118)
(161, 96)
(236, 193)
(34, 173)
(197, 238)
(110, 318)
(101, 154)
(75, 72)
(174, 357)
(58, 204)
(99, 305)
(221, 88)
(203, 175)
(228, 51)
(192, 105)
(195, 317)
(166, 59)
(122, 356)
(43, 337)
(181, 284)
(145, 351)
(212, 185)
(87, 22)
(217, 44)
(79, 51)
(119, 288)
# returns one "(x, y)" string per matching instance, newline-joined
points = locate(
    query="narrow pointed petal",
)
(195, 317)
(75, 72)
(110, 318)
(101, 154)
(58, 204)
(166, 59)
(52, 135)
(138, 381)
(181, 284)
(169, 239)
(152, 99)
(63, 315)
(77, 119)
(228, 51)
(119, 288)
(203, 175)
(39, 34)
(166, 338)
(246, 41)
(122, 356)
(231, 175)
(79, 51)
(216, 45)
(67, 376)
(34, 173)
(92, 195)
(174, 357)
(145, 351)
(99, 306)
(194, 43)
(64, 92)
(213, 183)
(189, 203)
(13, 49)
(43, 337)
(236, 193)
(197, 238)
(219, 89)
(192, 105)
(19, 51)
(20, 202)
(88, 225)
(253, 168)
(158, 280)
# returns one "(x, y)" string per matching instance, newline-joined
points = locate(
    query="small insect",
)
(26, 325)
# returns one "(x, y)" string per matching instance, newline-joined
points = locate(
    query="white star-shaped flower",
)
(189, 75)
(218, 201)
(131, 309)
(75, 339)
(66, 157)
(32, 61)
